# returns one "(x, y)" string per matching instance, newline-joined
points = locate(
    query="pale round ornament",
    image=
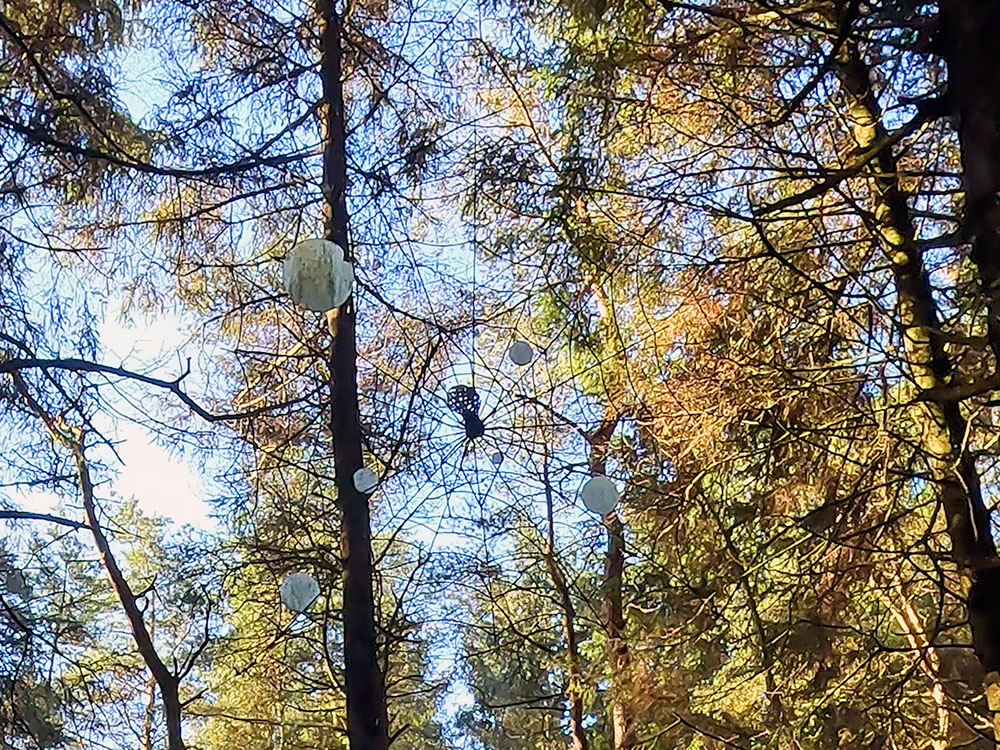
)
(365, 480)
(599, 494)
(298, 591)
(496, 458)
(316, 275)
(15, 582)
(521, 353)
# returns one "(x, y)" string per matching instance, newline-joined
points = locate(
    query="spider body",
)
(464, 401)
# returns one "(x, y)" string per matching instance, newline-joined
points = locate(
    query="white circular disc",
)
(316, 276)
(496, 458)
(599, 494)
(298, 591)
(365, 480)
(521, 353)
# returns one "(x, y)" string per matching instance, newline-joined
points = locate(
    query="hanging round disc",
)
(298, 591)
(365, 480)
(15, 582)
(316, 276)
(521, 353)
(599, 494)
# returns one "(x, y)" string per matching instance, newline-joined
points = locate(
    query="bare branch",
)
(23, 515)
(174, 386)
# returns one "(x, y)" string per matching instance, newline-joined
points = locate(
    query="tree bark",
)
(623, 734)
(146, 740)
(166, 681)
(619, 658)
(945, 428)
(367, 717)
(967, 39)
(574, 692)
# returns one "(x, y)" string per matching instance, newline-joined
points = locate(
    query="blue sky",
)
(172, 483)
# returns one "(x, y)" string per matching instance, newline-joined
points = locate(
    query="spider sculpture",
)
(463, 400)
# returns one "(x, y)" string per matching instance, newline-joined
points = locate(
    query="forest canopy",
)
(527, 375)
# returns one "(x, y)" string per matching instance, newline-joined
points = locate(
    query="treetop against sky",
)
(599, 375)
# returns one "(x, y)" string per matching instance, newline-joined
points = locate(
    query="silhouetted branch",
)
(173, 386)
(20, 515)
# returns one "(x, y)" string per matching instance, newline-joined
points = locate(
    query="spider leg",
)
(470, 444)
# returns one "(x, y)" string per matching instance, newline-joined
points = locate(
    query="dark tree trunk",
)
(574, 690)
(619, 657)
(167, 681)
(968, 40)
(367, 718)
(969, 31)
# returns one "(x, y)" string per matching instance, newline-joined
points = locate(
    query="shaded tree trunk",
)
(167, 682)
(146, 740)
(945, 428)
(623, 736)
(619, 658)
(968, 34)
(574, 692)
(968, 39)
(367, 717)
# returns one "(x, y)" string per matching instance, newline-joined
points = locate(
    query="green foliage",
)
(666, 200)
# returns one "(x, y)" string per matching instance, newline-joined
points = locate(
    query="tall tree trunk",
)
(945, 428)
(623, 736)
(367, 717)
(968, 41)
(619, 658)
(968, 34)
(574, 691)
(166, 681)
